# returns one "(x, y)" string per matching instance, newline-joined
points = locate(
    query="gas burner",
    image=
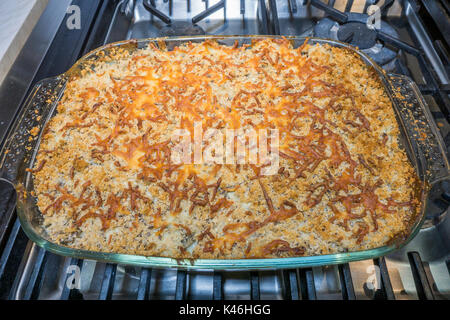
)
(173, 27)
(355, 32)
(181, 28)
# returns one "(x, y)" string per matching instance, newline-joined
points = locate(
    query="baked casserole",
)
(105, 180)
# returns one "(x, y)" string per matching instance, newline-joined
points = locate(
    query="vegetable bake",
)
(105, 181)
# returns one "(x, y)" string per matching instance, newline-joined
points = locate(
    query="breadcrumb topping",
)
(104, 180)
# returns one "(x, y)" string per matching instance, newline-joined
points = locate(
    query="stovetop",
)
(405, 38)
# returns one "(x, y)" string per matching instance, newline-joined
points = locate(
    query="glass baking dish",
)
(419, 137)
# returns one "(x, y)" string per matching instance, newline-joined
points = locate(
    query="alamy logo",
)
(74, 277)
(374, 19)
(227, 146)
(74, 18)
(374, 280)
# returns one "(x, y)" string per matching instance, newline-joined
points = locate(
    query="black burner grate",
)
(150, 5)
(296, 283)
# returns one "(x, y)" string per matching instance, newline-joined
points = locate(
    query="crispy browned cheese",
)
(104, 179)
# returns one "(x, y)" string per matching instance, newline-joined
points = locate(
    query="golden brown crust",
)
(104, 180)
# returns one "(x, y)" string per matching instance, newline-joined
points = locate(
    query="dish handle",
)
(427, 141)
(19, 148)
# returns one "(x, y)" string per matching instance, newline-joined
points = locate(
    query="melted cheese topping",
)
(104, 180)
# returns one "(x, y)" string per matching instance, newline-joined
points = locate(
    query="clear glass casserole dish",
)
(419, 137)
